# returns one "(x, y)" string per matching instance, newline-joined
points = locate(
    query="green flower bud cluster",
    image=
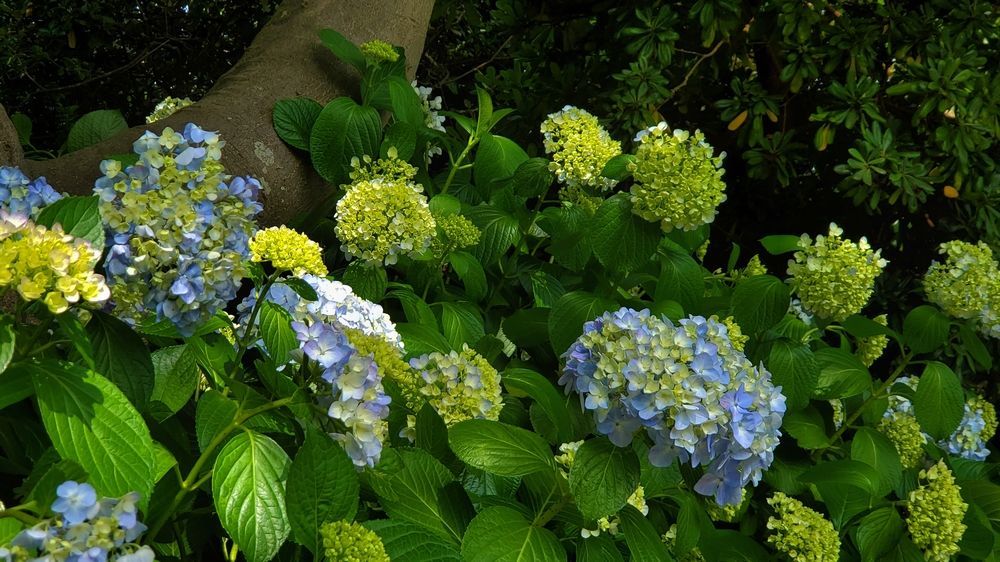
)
(967, 284)
(390, 168)
(454, 232)
(736, 335)
(168, 107)
(936, 510)
(871, 348)
(580, 148)
(379, 50)
(678, 180)
(380, 220)
(904, 432)
(834, 277)
(800, 533)
(351, 542)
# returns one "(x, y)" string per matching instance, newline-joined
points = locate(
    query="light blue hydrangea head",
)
(20, 195)
(697, 397)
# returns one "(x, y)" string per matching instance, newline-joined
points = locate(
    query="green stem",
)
(250, 325)
(454, 168)
(17, 512)
(551, 512)
(904, 362)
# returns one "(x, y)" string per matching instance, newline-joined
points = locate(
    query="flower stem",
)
(904, 362)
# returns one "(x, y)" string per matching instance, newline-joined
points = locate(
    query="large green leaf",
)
(760, 302)
(322, 486)
(94, 127)
(276, 331)
(726, 545)
(878, 532)
(795, 369)
(406, 104)
(681, 278)
(214, 414)
(343, 130)
(293, 120)
(570, 313)
(497, 158)
(420, 339)
(570, 244)
(641, 537)
(603, 477)
(248, 485)
(343, 48)
(499, 229)
(470, 271)
(368, 281)
(502, 534)
(777, 244)
(500, 448)
(525, 382)
(622, 241)
(92, 423)
(598, 549)
(845, 472)
(841, 374)
(78, 216)
(461, 324)
(532, 178)
(875, 450)
(177, 376)
(15, 384)
(939, 402)
(121, 356)
(925, 329)
(406, 541)
(7, 341)
(807, 427)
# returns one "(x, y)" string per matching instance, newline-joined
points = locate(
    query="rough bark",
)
(285, 60)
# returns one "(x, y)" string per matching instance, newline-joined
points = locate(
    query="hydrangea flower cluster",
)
(454, 232)
(801, 533)
(380, 220)
(22, 196)
(390, 168)
(580, 148)
(287, 250)
(678, 180)
(936, 511)
(460, 386)
(834, 277)
(871, 348)
(48, 265)
(168, 107)
(351, 542)
(379, 50)
(432, 119)
(967, 284)
(86, 529)
(178, 228)
(604, 524)
(694, 394)
(904, 433)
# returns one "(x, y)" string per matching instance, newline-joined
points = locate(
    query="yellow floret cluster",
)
(800, 533)
(390, 168)
(736, 335)
(872, 347)
(961, 284)
(167, 107)
(379, 220)
(904, 432)
(351, 542)
(936, 510)
(49, 265)
(678, 180)
(454, 232)
(287, 250)
(379, 50)
(579, 147)
(834, 277)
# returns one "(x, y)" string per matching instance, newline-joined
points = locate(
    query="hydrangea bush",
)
(488, 356)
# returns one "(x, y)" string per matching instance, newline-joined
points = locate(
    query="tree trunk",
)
(285, 60)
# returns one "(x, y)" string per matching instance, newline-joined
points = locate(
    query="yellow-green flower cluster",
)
(389, 358)
(579, 147)
(670, 539)
(379, 50)
(728, 513)
(48, 265)
(577, 196)
(167, 107)
(935, 515)
(287, 250)
(904, 432)
(678, 180)
(460, 386)
(605, 524)
(454, 232)
(961, 285)
(839, 416)
(800, 533)
(380, 220)
(871, 348)
(351, 542)
(390, 168)
(834, 277)
(736, 335)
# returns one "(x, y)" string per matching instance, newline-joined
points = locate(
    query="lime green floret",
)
(390, 168)
(379, 220)
(287, 250)
(871, 348)
(454, 232)
(379, 50)
(834, 277)
(936, 510)
(678, 180)
(904, 432)
(351, 542)
(800, 533)
(579, 147)
(962, 284)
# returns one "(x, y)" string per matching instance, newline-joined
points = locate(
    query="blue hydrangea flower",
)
(22, 196)
(696, 396)
(76, 502)
(178, 228)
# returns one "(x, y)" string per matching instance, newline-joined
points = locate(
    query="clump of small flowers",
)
(961, 284)
(22, 196)
(85, 529)
(432, 119)
(351, 542)
(678, 180)
(736, 335)
(839, 416)
(379, 50)
(801, 533)
(871, 348)
(728, 513)
(287, 250)
(380, 220)
(460, 386)
(670, 539)
(390, 168)
(904, 433)
(167, 107)
(605, 524)
(753, 268)
(49, 265)
(696, 396)
(579, 147)
(978, 425)
(834, 277)
(454, 232)
(936, 510)
(178, 228)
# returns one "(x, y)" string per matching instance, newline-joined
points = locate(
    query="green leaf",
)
(94, 127)
(502, 534)
(368, 282)
(78, 216)
(844, 501)
(986, 496)
(778, 244)
(121, 356)
(617, 168)
(841, 374)
(443, 204)
(603, 477)
(732, 546)
(760, 302)
(499, 230)
(322, 486)
(213, 415)
(975, 347)
(9, 528)
(641, 537)
(861, 327)
(528, 327)
(22, 124)
(979, 538)
(598, 549)
(406, 541)
(533, 178)
(72, 328)
(293, 120)
(7, 341)
(525, 382)
(570, 244)
(406, 104)
(925, 329)
(621, 241)
(845, 472)
(500, 448)
(164, 461)
(432, 433)
(92, 423)
(276, 331)
(939, 402)
(470, 271)
(343, 48)
(878, 533)
(460, 324)
(569, 315)
(177, 376)
(681, 278)
(343, 130)
(301, 288)
(807, 427)
(419, 339)
(248, 485)
(15, 384)
(414, 307)
(794, 368)
(875, 450)
(497, 158)
(402, 137)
